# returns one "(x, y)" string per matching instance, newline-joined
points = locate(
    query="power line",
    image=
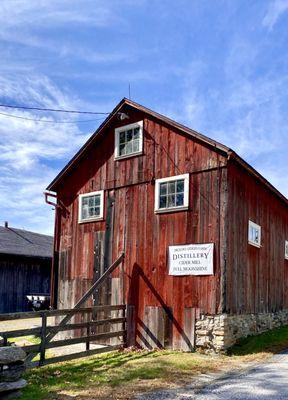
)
(51, 121)
(53, 110)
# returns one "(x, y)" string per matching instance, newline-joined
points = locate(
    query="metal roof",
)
(25, 243)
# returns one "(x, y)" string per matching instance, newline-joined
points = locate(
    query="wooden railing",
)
(46, 332)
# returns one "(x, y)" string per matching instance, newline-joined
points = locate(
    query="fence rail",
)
(45, 332)
(55, 313)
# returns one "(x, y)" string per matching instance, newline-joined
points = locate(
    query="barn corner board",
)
(144, 183)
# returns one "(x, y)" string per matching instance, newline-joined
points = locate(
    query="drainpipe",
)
(55, 258)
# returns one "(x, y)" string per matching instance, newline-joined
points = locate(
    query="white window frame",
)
(117, 155)
(286, 250)
(255, 226)
(91, 219)
(157, 194)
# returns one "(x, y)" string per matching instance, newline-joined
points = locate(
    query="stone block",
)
(11, 355)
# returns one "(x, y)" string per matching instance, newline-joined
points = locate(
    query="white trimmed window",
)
(254, 234)
(91, 206)
(286, 249)
(172, 194)
(129, 140)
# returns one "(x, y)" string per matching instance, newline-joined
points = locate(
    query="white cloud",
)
(275, 10)
(245, 112)
(27, 149)
(14, 13)
(25, 22)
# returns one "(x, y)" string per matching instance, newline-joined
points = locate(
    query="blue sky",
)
(218, 66)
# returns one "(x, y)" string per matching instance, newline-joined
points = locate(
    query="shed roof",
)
(25, 243)
(229, 153)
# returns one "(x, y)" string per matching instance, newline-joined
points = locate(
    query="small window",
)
(254, 234)
(91, 206)
(286, 249)
(172, 193)
(129, 140)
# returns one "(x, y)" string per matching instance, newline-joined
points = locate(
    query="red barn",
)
(144, 183)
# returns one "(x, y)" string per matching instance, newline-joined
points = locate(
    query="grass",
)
(269, 342)
(122, 374)
(25, 340)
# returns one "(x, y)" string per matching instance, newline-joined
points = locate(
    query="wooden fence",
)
(46, 333)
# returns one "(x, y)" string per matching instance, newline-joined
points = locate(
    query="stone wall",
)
(218, 332)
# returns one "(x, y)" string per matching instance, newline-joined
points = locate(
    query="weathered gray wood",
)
(156, 329)
(53, 313)
(43, 339)
(98, 263)
(37, 331)
(130, 325)
(84, 324)
(21, 332)
(74, 356)
(88, 335)
(83, 339)
(188, 336)
(35, 348)
(88, 294)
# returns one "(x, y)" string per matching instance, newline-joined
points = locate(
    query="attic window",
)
(286, 249)
(129, 140)
(172, 194)
(91, 206)
(254, 234)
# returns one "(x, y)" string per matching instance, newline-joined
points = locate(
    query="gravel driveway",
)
(267, 381)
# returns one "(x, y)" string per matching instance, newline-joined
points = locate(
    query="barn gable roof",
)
(25, 243)
(216, 146)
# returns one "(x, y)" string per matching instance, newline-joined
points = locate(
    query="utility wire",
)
(51, 121)
(53, 110)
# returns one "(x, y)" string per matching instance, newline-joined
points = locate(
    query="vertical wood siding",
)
(257, 278)
(143, 235)
(25, 276)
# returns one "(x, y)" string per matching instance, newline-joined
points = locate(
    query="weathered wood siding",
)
(133, 226)
(20, 276)
(257, 278)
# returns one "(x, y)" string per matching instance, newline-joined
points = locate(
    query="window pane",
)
(97, 200)
(135, 145)
(162, 202)
(129, 147)
(136, 133)
(122, 137)
(180, 199)
(171, 187)
(84, 201)
(84, 212)
(91, 201)
(171, 201)
(129, 135)
(122, 149)
(180, 186)
(97, 211)
(163, 188)
(256, 235)
(91, 212)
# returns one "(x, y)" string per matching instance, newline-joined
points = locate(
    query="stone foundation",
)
(216, 333)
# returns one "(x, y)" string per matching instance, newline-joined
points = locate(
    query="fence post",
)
(88, 334)
(43, 339)
(125, 327)
(5, 340)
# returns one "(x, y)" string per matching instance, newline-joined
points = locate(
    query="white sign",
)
(191, 259)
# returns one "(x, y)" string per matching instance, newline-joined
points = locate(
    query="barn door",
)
(104, 254)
